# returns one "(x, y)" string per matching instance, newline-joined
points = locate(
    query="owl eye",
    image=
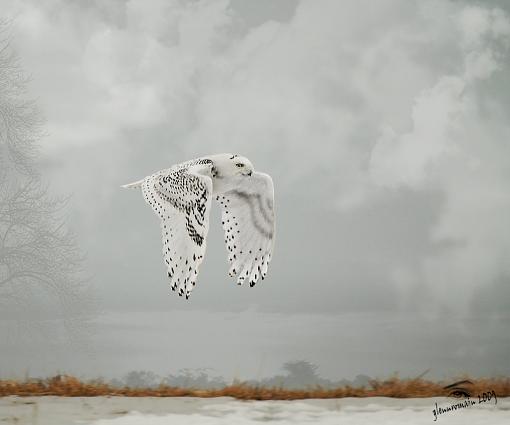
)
(239, 165)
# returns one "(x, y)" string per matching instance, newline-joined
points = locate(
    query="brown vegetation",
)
(68, 386)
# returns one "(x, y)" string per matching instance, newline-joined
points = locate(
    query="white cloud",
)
(440, 112)
(361, 103)
(406, 159)
(450, 147)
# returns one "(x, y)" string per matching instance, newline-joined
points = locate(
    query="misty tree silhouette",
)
(301, 374)
(141, 379)
(39, 258)
(198, 378)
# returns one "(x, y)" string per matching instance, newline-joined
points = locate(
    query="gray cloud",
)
(384, 133)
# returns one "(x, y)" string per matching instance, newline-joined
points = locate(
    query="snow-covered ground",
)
(187, 411)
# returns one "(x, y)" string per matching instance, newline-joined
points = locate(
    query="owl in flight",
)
(181, 197)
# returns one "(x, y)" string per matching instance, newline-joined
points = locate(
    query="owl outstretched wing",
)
(249, 223)
(181, 197)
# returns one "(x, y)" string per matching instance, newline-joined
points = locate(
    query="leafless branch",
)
(37, 252)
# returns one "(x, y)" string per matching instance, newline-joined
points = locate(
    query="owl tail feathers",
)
(133, 185)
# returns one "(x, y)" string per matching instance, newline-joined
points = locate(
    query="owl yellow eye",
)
(239, 165)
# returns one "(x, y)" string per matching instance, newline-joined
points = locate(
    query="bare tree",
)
(37, 253)
(20, 120)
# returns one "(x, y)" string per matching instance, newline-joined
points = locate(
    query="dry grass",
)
(68, 386)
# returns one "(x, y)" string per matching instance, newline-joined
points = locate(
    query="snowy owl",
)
(181, 197)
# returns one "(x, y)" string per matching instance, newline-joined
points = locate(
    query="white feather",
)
(181, 197)
(251, 201)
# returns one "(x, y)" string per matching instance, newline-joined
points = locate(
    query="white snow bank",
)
(224, 410)
(299, 412)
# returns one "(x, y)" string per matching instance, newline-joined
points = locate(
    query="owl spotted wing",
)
(249, 224)
(182, 199)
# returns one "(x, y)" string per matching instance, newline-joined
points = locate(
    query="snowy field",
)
(187, 411)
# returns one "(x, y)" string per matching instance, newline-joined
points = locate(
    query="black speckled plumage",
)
(181, 197)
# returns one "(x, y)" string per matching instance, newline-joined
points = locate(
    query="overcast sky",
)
(385, 128)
